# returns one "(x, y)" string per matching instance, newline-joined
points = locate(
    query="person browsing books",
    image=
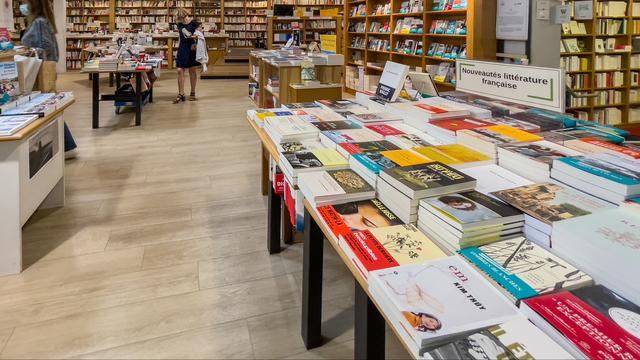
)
(41, 35)
(186, 58)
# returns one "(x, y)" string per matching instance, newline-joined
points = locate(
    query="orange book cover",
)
(405, 157)
(517, 134)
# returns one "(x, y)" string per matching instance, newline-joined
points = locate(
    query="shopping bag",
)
(47, 77)
(30, 67)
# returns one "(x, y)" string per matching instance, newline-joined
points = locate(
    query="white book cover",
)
(392, 81)
(12, 124)
(440, 298)
(607, 245)
(324, 115)
(332, 184)
(492, 178)
(290, 125)
(542, 152)
(514, 339)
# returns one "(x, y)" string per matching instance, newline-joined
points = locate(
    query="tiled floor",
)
(160, 251)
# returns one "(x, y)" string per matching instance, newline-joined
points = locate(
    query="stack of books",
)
(490, 178)
(486, 139)
(455, 155)
(331, 125)
(343, 219)
(590, 323)
(343, 107)
(521, 269)
(259, 115)
(369, 164)
(464, 219)
(418, 114)
(401, 188)
(604, 245)
(331, 187)
(533, 159)
(445, 129)
(609, 176)
(413, 140)
(347, 149)
(375, 118)
(297, 162)
(431, 303)
(388, 247)
(333, 138)
(289, 128)
(546, 204)
(514, 339)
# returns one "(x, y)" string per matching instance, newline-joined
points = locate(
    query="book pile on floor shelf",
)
(484, 229)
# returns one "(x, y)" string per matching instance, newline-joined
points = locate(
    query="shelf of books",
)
(19, 20)
(308, 29)
(429, 36)
(474, 225)
(601, 56)
(84, 16)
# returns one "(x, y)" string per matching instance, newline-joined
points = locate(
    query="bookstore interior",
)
(368, 179)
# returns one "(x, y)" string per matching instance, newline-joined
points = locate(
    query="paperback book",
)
(331, 187)
(426, 180)
(349, 217)
(455, 155)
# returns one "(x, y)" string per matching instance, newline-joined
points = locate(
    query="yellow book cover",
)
(517, 134)
(329, 157)
(407, 244)
(405, 157)
(452, 154)
(264, 115)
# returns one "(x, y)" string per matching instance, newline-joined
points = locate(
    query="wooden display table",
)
(32, 173)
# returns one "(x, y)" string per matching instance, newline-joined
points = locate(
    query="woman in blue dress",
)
(186, 57)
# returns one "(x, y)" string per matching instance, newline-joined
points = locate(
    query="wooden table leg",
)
(138, 98)
(273, 221)
(95, 100)
(312, 257)
(369, 327)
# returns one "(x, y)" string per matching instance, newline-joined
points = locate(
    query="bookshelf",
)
(398, 30)
(20, 21)
(280, 29)
(600, 57)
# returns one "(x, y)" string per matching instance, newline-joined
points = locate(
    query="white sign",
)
(528, 85)
(6, 15)
(583, 10)
(391, 81)
(512, 20)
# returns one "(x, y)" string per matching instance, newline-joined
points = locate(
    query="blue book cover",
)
(598, 165)
(337, 137)
(368, 163)
(565, 119)
(511, 282)
(374, 161)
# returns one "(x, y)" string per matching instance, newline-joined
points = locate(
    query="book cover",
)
(368, 146)
(351, 135)
(384, 129)
(302, 159)
(370, 254)
(410, 141)
(406, 244)
(356, 216)
(301, 105)
(492, 178)
(460, 123)
(338, 104)
(375, 117)
(428, 176)
(517, 339)
(9, 83)
(546, 123)
(550, 202)
(329, 157)
(598, 322)
(506, 134)
(471, 207)
(541, 151)
(439, 298)
(374, 161)
(525, 269)
(404, 157)
(452, 154)
(616, 168)
(349, 181)
(616, 149)
(337, 125)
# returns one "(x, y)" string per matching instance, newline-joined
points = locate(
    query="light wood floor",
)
(160, 251)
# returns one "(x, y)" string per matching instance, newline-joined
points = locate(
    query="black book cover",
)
(428, 176)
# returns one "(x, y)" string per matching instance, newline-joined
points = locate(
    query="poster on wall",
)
(43, 146)
(583, 10)
(512, 20)
(6, 14)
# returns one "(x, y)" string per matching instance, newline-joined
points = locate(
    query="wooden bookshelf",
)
(310, 29)
(590, 77)
(369, 61)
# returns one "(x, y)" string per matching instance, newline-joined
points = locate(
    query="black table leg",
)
(369, 327)
(118, 80)
(274, 201)
(151, 94)
(138, 98)
(312, 283)
(110, 79)
(95, 103)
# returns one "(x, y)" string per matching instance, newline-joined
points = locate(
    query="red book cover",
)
(460, 123)
(613, 147)
(278, 183)
(431, 109)
(334, 220)
(352, 148)
(594, 319)
(384, 129)
(290, 202)
(371, 255)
